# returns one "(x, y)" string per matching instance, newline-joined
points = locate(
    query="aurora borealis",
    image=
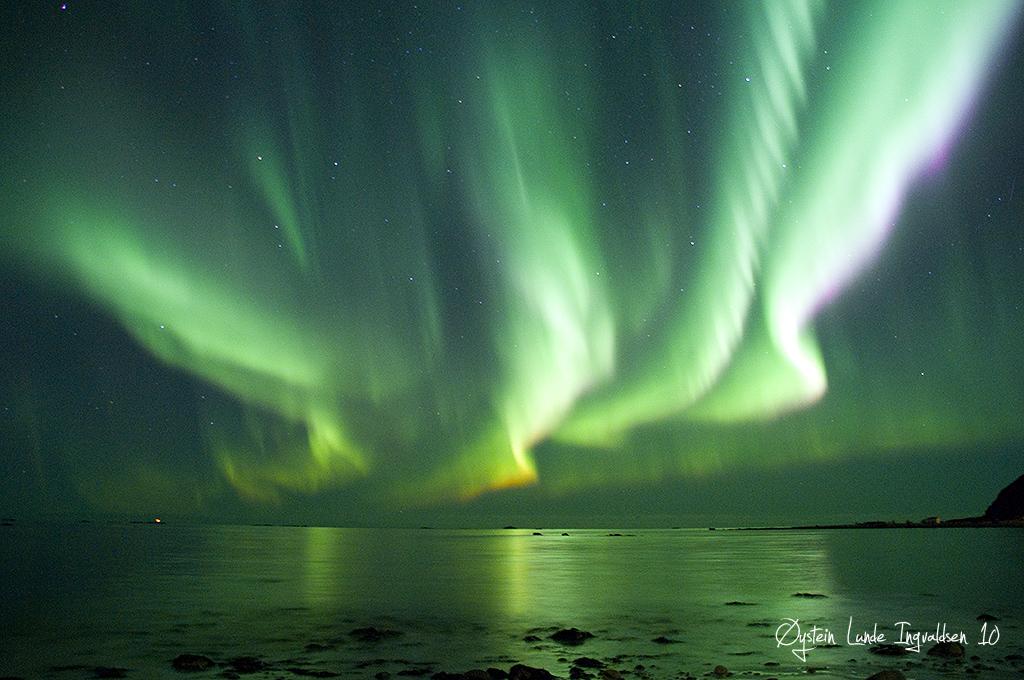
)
(408, 255)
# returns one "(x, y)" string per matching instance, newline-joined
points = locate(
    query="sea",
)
(125, 600)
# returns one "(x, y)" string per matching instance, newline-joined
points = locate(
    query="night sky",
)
(475, 262)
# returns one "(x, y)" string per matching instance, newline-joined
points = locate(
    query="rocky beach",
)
(372, 652)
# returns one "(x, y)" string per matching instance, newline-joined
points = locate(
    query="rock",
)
(537, 533)
(737, 603)
(564, 534)
(889, 650)
(662, 640)
(721, 671)
(576, 673)
(317, 647)
(810, 596)
(987, 617)
(476, 674)
(521, 672)
(947, 650)
(190, 663)
(247, 664)
(110, 672)
(382, 675)
(497, 674)
(587, 662)
(372, 634)
(610, 674)
(887, 675)
(531, 638)
(571, 636)
(1009, 504)
(306, 672)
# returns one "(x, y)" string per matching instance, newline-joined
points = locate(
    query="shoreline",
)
(960, 523)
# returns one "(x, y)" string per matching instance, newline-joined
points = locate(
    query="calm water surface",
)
(136, 596)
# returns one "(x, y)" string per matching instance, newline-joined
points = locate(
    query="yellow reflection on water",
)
(324, 565)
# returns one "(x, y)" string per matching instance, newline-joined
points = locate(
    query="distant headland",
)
(1007, 510)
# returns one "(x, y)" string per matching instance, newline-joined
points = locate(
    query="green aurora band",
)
(446, 279)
